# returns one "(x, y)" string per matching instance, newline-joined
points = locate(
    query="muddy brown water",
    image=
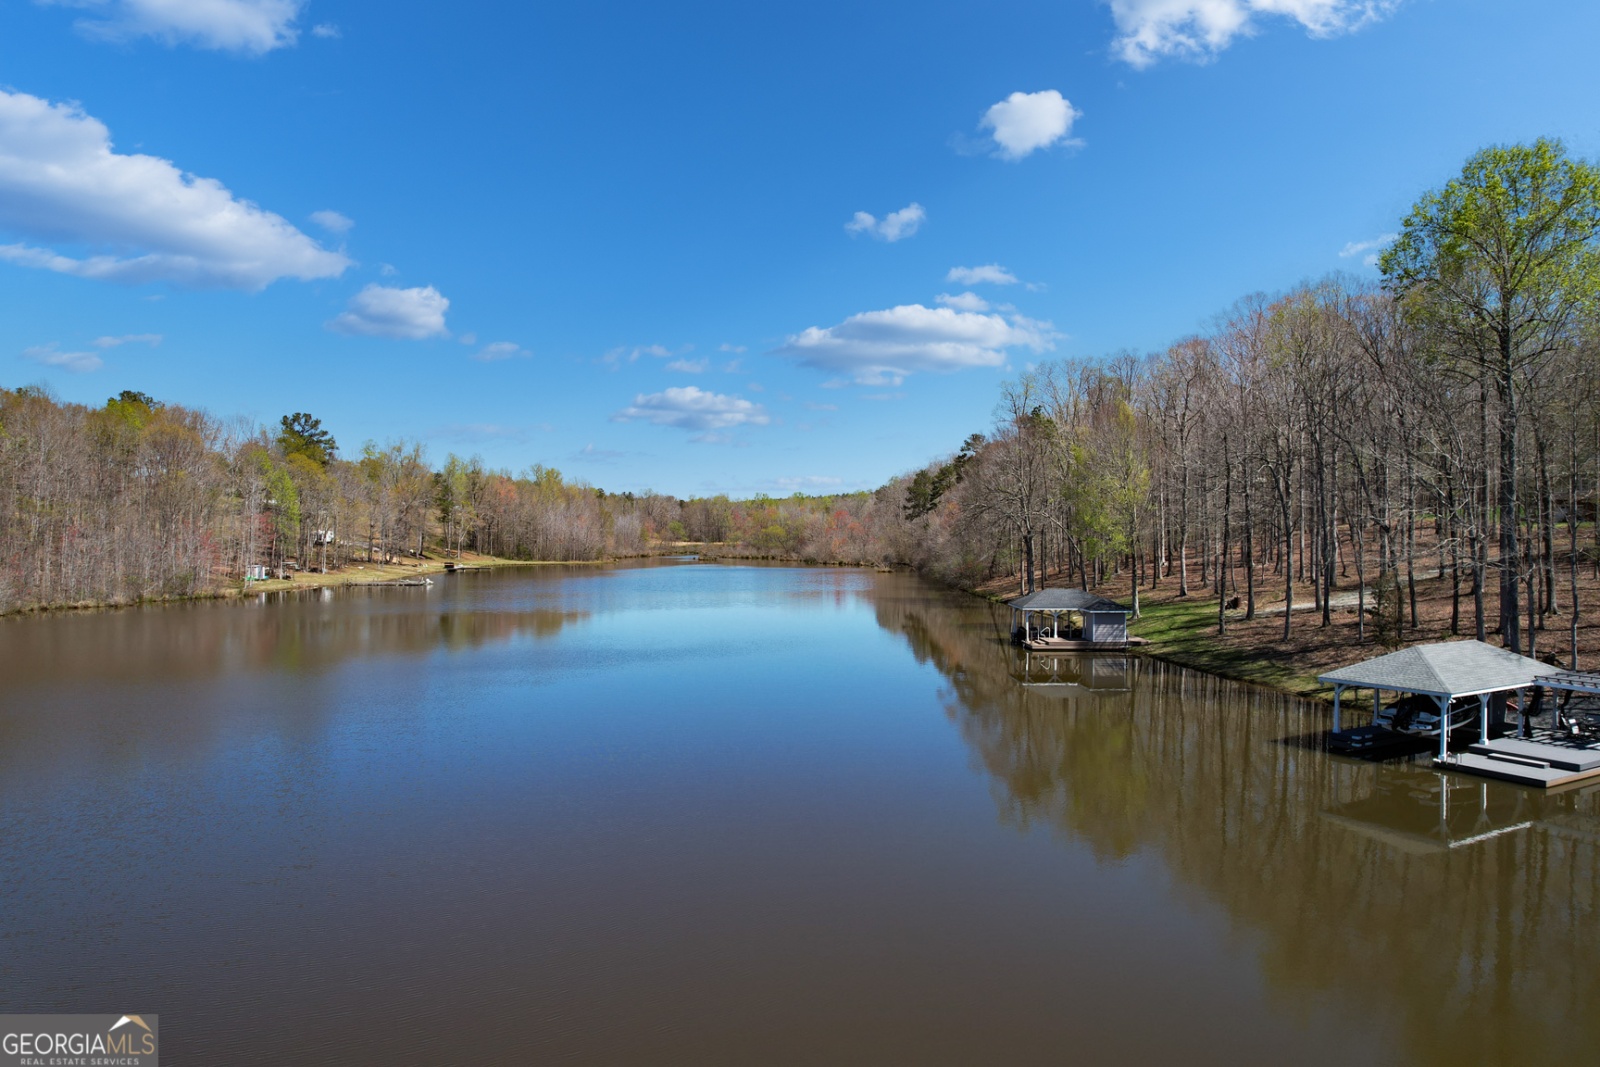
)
(715, 814)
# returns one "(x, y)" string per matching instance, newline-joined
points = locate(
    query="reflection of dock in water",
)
(1428, 812)
(1068, 674)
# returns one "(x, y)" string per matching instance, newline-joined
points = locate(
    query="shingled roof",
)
(1065, 600)
(1442, 669)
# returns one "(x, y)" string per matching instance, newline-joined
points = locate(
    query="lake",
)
(696, 813)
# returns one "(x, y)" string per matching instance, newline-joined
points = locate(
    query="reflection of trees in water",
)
(1463, 914)
(112, 688)
(166, 643)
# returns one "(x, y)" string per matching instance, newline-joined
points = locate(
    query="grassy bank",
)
(1184, 630)
(378, 573)
(350, 574)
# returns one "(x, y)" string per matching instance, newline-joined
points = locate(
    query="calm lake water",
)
(711, 814)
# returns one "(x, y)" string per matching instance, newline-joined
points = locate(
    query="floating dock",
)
(1545, 761)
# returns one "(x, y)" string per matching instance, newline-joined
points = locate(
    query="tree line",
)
(1439, 424)
(141, 499)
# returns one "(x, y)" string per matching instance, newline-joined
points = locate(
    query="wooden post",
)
(1337, 690)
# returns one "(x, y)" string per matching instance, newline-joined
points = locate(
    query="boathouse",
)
(1451, 672)
(1066, 619)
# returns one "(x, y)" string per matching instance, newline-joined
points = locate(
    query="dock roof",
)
(1065, 600)
(1442, 669)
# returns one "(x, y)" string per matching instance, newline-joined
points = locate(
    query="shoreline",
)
(305, 581)
(1180, 631)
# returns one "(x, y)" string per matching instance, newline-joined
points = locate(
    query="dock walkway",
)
(1547, 760)
(1069, 644)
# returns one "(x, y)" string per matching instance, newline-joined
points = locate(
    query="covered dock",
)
(1066, 620)
(1450, 672)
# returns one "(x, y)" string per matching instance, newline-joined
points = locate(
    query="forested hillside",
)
(1439, 426)
(143, 499)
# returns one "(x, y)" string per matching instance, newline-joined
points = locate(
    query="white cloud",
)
(1023, 123)
(327, 31)
(1370, 248)
(989, 273)
(807, 481)
(333, 221)
(75, 362)
(138, 217)
(963, 301)
(404, 314)
(725, 347)
(885, 347)
(590, 454)
(1150, 30)
(498, 350)
(614, 357)
(252, 26)
(892, 227)
(151, 339)
(689, 366)
(690, 408)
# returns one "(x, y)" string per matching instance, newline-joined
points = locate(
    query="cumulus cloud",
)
(51, 355)
(138, 218)
(403, 314)
(496, 350)
(885, 347)
(250, 26)
(689, 366)
(690, 408)
(1199, 30)
(333, 221)
(988, 274)
(725, 347)
(892, 227)
(1023, 123)
(1368, 250)
(327, 31)
(963, 301)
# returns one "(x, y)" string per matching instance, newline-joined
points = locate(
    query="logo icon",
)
(39, 1040)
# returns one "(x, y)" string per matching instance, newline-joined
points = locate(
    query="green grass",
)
(1185, 632)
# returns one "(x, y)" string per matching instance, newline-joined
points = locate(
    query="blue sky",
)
(702, 248)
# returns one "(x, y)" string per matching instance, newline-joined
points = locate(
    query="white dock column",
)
(1444, 727)
(1336, 691)
(1483, 718)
